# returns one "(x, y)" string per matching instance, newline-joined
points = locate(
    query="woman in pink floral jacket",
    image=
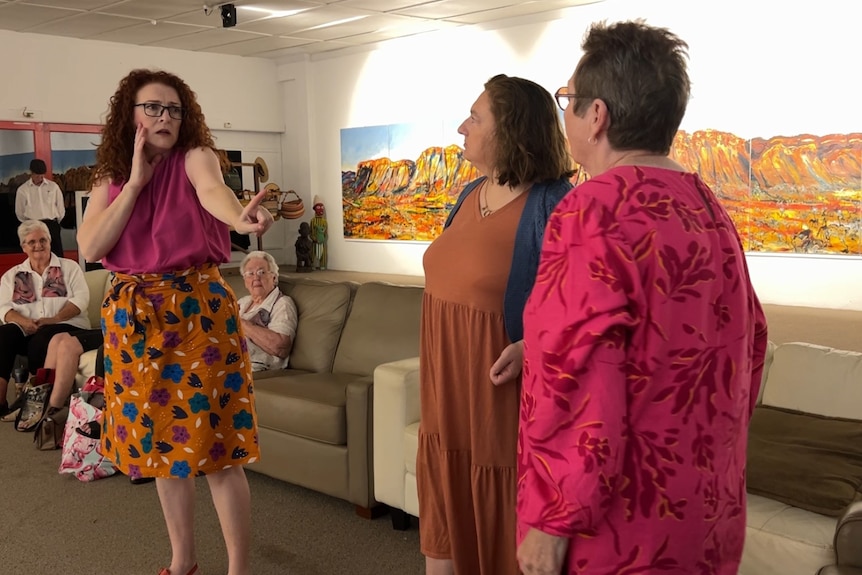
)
(643, 339)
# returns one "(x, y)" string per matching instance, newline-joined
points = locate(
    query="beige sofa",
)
(780, 539)
(315, 417)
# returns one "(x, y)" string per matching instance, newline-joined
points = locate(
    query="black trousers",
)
(13, 342)
(56, 238)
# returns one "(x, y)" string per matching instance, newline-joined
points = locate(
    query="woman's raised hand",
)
(142, 168)
(254, 219)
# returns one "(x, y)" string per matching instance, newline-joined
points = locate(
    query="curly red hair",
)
(114, 154)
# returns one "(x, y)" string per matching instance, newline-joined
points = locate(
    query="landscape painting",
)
(398, 182)
(797, 194)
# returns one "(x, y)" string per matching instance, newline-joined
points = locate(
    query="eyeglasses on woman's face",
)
(562, 96)
(255, 273)
(155, 110)
(33, 243)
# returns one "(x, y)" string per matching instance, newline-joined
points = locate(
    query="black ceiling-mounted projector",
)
(228, 15)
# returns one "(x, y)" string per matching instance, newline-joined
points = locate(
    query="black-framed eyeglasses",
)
(154, 110)
(562, 97)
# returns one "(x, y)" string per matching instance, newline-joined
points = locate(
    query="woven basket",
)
(246, 197)
(292, 207)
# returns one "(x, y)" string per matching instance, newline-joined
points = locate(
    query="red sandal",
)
(167, 571)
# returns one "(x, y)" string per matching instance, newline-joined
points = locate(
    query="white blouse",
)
(77, 292)
(282, 319)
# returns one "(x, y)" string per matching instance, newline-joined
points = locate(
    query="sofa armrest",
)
(396, 405)
(86, 367)
(359, 412)
(848, 536)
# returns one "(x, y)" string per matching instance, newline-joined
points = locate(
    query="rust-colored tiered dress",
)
(466, 465)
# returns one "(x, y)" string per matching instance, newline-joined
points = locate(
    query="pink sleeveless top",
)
(169, 229)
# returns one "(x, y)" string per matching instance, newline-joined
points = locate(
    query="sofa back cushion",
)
(807, 461)
(815, 379)
(322, 309)
(98, 282)
(383, 326)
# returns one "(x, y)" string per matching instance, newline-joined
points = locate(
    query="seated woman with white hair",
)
(39, 298)
(268, 316)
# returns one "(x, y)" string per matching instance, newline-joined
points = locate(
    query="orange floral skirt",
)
(178, 380)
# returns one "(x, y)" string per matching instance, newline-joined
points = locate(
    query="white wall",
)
(70, 80)
(763, 68)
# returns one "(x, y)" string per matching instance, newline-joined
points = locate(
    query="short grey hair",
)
(273, 267)
(30, 226)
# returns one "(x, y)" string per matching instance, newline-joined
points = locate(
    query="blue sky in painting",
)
(395, 141)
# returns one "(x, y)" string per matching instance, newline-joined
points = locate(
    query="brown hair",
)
(639, 72)
(114, 154)
(529, 142)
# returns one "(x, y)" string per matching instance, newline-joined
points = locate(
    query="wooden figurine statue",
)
(304, 261)
(319, 234)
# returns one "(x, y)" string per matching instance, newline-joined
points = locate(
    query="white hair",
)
(257, 254)
(30, 226)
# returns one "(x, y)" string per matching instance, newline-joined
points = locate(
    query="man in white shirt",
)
(41, 199)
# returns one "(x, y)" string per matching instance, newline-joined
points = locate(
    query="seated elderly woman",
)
(39, 298)
(268, 316)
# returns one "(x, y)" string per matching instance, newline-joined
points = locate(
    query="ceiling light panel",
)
(155, 10)
(507, 12)
(313, 48)
(417, 27)
(265, 44)
(383, 5)
(212, 17)
(314, 18)
(86, 25)
(207, 39)
(78, 5)
(147, 33)
(356, 27)
(449, 8)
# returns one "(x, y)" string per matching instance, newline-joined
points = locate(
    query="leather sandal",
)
(192, 571)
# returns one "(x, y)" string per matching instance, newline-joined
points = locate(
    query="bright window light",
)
(337, 22)
(272, 13)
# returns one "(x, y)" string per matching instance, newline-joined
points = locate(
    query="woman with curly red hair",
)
(178, 380)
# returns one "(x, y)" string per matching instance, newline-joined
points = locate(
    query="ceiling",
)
(267, 29)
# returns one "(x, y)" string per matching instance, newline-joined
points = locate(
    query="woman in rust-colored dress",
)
(478, 275)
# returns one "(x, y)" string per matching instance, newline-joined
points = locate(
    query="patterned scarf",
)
(53, 286)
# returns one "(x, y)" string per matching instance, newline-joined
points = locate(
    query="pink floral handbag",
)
(82, 449)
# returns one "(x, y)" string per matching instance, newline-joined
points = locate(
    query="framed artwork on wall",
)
(398, 182)
(786, 194)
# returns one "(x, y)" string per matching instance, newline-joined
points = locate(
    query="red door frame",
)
(42, 134)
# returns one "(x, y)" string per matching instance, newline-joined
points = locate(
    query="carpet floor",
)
(54, 524)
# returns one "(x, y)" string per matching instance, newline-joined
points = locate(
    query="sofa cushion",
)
(783, 539)
(808, 461)
(383, 326)
(322, 309)
(815, 379)
(311, 405)
(98, 282)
